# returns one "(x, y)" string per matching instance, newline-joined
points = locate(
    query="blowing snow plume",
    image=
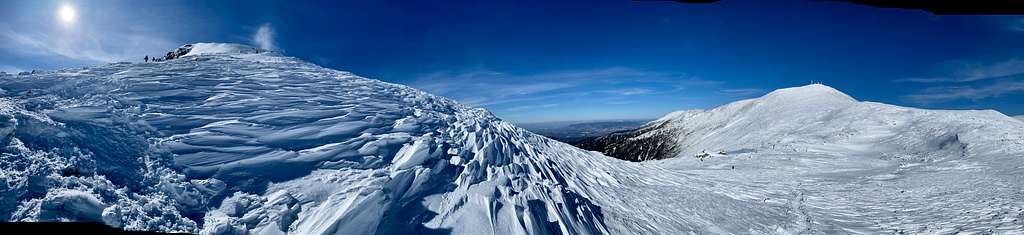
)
(264, 37)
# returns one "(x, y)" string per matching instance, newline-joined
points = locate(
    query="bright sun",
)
(66, 14)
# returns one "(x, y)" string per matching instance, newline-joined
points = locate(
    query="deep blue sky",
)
(531, 61)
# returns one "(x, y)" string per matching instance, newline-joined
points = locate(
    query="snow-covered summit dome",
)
(812, 92)
(207, 48)
(221, 48)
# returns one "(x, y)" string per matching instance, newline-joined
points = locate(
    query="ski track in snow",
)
(228, 139)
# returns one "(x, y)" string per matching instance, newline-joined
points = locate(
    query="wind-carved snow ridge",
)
(227, 140)
(222, 142)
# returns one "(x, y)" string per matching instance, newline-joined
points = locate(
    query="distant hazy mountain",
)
(574, 131)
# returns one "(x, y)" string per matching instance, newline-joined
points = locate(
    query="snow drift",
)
(226, 139)
(848, 166)
(222, 139)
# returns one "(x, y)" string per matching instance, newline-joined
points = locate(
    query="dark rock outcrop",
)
(649, 142)
(181, 51)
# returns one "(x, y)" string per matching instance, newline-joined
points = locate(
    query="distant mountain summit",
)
(571, 132)
(808, 95)
(207, 48)
(808, 118)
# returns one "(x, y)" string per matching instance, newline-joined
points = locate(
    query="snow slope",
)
(817, 118)
(228, 141)
(1019, 117)
(232, 140)
(849, 166)
(196, 49)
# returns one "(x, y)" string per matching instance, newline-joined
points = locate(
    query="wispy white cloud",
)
(33, 37)
(80, 48)
(616, 92)
(490, 87)
(532, 107)
(973, 93)
(516, 92)
(742, 92)
(689, 83)
(81, 44)
(969, 80)
(264, 37)
(1016, 25)
(619, 102)
(631, 91)
(485, 87)
(970, 71)
(10, 69)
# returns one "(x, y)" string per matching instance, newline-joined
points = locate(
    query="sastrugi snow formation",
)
(228, 139)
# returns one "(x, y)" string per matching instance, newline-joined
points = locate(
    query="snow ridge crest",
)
(809, 92)
(207, 48)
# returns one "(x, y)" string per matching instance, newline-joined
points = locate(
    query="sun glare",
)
(66, 14)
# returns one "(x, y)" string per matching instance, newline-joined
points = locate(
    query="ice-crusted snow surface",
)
(846, 166)
(231, 141)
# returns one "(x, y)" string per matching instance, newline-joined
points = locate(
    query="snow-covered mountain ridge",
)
(231, 142)
(329, 151)
(852, 166)
(819, 118)
(227, 140)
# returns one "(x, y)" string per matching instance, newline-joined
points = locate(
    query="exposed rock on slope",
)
(644, 143)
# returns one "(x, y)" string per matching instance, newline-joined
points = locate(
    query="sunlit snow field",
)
(229, 139)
